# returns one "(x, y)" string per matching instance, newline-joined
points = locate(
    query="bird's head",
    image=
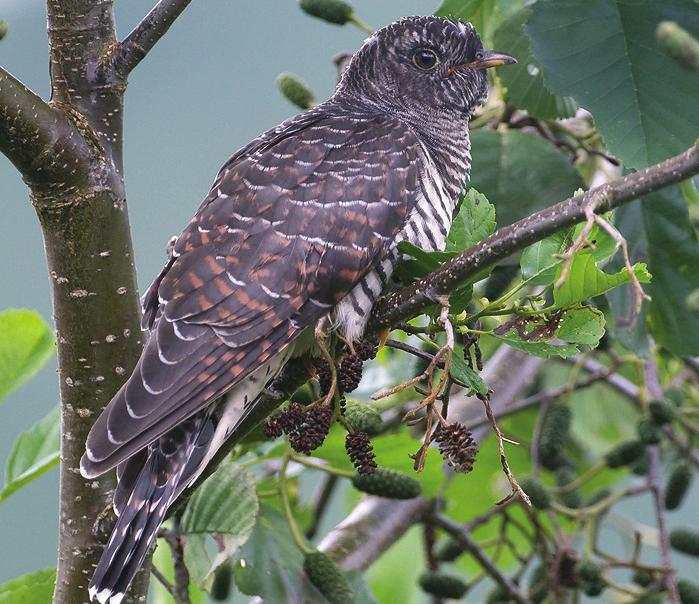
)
(421, 65)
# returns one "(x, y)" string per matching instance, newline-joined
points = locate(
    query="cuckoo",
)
(300, 225)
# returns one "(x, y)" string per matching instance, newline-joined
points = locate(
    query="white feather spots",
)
(273, 294)
(235, 281)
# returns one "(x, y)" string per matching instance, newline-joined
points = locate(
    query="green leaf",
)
(474, 222)
(485, 15)
(26, 343)
(583, 325)
(34, 452)
(520, 172)
(463, 375)
(524, 81)
(32, 588)
(537, 348)
(659, 231)
(224, 508)
(586, 281)
(604, 53)
(539, 261)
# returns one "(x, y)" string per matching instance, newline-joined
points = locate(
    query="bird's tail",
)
(148, 483)
(136, 528)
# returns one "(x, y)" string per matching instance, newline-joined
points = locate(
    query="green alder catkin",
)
(448, 550)
(677, 486)
(387, 483)
(661, 412)
(625, 454)
(443, 585)
(554, 435)
(689, 592)
(332, 11)
(678, 43)
(326, 575)
(685, 541)
(536, 492)
(363, 418)
(295, 90)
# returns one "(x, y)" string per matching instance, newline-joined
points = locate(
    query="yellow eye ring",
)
(425, 59)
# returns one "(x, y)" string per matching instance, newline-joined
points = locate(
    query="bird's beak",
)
(488, 58)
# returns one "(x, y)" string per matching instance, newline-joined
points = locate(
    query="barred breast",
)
(427, 227)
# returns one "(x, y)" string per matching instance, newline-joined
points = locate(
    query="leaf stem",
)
(323, 468)
(286, 506)
(361, 25)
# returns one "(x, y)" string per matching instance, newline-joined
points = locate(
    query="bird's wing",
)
(285, 233)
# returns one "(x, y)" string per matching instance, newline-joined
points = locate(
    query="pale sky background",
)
(206, 89)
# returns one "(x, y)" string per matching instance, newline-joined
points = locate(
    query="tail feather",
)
(134, 532)
(142, 499)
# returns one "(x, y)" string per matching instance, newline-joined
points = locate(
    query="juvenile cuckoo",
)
(302, 223)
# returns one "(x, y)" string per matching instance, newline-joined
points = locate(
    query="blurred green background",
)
(205, 90)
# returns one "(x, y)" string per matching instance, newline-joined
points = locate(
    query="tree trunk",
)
(69, 152)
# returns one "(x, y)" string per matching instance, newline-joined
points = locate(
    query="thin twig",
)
(134, 48)
(653, 389)
(516, 489)
(321, 505)
(171, 589)
(464, 539)
(416, 352)
(174, 540)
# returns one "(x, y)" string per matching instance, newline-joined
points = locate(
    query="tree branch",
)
(655, 391)
(464, 539)
(133, 49)
(371, 528)
(37, 138)
(411, 300)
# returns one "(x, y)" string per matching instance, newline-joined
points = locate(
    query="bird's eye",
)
(425, 59)
(479, 55)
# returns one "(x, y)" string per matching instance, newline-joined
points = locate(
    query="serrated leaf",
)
(34, 452)
(519, 172)
(583, 325)
(463, 375)
(32, 588)
(604, 53)
(539, 261)
(485, 15)
(524, 81)
(225, 508)
(542, 350)
(474, 222)
(26, 343)
(270, 564)
(659, 231)
(586, 281)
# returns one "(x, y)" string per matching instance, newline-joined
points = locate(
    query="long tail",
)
(142, 499)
